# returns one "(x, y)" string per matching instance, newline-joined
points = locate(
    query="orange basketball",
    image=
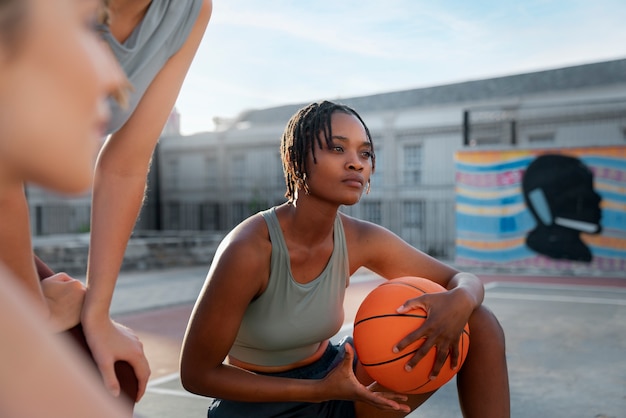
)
(378, 327)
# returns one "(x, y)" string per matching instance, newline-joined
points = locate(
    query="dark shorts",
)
(330, 409)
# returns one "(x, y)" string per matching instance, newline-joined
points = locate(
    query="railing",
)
(57, 218)
(429, 226)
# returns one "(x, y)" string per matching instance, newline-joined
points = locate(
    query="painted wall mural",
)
(545, 208)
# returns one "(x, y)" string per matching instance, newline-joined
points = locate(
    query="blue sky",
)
(263, 53)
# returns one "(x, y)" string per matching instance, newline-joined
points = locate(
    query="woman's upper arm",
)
(230, 286)
(385, 253)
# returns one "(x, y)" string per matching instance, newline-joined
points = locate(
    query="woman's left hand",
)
(447, 314)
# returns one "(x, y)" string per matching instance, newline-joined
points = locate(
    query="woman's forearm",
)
(229, 382)
(116, 203)
(471, 285)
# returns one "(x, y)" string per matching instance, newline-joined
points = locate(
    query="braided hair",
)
(303, 133)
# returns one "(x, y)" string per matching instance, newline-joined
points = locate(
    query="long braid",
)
(303, 133)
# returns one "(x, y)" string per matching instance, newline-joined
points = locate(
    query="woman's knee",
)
(485, 326)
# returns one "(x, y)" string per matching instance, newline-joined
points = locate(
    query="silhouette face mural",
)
(558, 191)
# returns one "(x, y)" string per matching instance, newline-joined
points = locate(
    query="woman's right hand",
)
(110, 342)
(64, 299)
(341, 383)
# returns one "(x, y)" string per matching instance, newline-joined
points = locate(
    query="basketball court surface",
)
(566, 341)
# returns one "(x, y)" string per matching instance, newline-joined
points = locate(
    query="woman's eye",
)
(367, 154)
(337, 148)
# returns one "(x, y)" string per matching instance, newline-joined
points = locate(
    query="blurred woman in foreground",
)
(55, 78)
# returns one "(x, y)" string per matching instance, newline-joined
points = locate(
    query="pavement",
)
(566, 341)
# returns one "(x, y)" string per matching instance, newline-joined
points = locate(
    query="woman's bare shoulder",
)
(371, 245)
(361, 229)
(252, 230)
(247, 241)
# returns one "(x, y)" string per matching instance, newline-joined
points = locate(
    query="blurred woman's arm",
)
(62, 382)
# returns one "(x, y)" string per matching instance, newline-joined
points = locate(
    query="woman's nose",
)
(354, 163)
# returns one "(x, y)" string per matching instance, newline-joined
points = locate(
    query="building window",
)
(377, 177)
(412, 164)
(485, 140)
(171, 174)
(279, 176)
(209, 216)
(211, 171)
(541, 137)
(413, 214)
(172, 215)
(238, 171)
(372, 212)
(238, 212)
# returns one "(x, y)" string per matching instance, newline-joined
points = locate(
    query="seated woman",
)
(258, 340)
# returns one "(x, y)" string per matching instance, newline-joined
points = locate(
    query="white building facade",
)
(213, 180)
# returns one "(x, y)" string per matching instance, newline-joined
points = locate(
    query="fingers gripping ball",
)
(378, 328)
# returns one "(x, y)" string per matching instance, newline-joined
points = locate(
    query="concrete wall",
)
(149, 251)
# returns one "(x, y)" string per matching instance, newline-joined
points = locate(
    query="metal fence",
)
(59, 218)
(428, 225)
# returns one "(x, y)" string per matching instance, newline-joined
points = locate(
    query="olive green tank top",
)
(289, 320)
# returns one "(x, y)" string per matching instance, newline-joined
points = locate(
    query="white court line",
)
(170, 392)
(555, 286)
(554, 298)
(175, 392)
(162, 379)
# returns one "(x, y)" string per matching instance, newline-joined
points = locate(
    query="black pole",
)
(466, 128)
(513, 132)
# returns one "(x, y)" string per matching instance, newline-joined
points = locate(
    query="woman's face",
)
(342, 171)
(53, 87)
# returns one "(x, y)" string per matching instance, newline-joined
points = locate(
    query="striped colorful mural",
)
(499, 219)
